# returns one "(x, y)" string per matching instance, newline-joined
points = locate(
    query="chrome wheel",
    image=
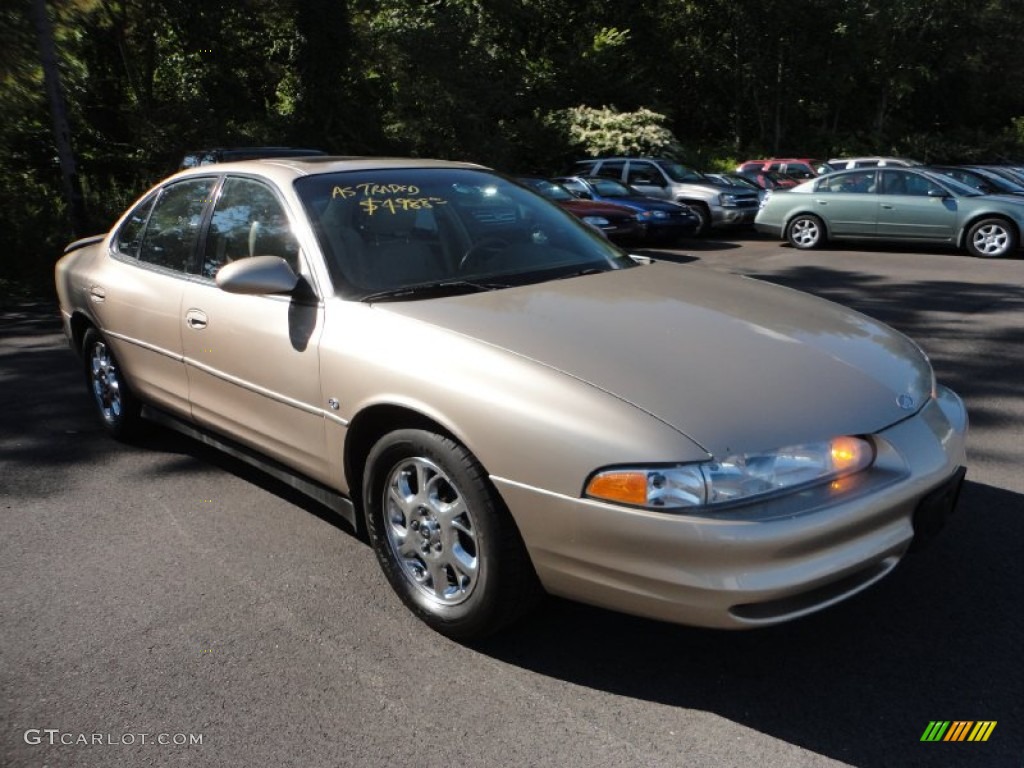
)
(106, 383)
(806, 232)
(990, 239)
(115, 401)
(431, 531)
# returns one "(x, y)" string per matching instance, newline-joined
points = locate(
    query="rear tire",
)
(806, 232)
(991, 239)
(118, 408)
(443, 536)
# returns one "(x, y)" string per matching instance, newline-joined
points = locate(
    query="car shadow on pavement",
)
(939, 639)
(870, 246)
(48, 428)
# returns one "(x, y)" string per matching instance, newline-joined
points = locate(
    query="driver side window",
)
(248, 220)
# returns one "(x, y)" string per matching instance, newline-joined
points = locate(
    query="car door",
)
(848, 203)
(648, 179)
(913, 207)
(252, 361)
(138, 300)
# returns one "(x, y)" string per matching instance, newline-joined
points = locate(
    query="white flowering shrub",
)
(606, 131)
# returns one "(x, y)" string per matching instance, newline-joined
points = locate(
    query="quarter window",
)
(170, 237)
(856, 182)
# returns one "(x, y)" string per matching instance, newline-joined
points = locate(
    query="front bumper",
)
(751, 566)
(733, 217)
(661, 229)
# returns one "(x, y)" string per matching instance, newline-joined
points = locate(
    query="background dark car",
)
(232, 154)
(1014, 173)
(717, 206)
(661, 219)
(982, 179)
(616, 221)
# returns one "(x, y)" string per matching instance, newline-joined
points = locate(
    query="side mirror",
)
(257, 275)
(938, 193)
(583, 195)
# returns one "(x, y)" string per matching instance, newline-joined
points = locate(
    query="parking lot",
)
(160, 589)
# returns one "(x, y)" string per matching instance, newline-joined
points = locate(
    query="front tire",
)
(703, 218)
(991, 239)
(806, 232)
(443, 536)
(116, 405)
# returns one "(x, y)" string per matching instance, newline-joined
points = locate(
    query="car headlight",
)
(644, 215)
(734, 479)
(659, 214)
(727, 200)
(597, 221)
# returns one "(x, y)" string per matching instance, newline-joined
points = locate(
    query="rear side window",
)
(857, 182)
(129, 237)
(612, 170)
(173, 228)
(645, 173)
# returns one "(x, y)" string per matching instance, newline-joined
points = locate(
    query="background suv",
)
(716, 205)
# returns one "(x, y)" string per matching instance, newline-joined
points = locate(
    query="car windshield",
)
(609, 188)
(679, 172)
(738, 181)
(420, 232)
(549, 189)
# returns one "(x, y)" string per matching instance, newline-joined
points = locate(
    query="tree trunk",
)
(58, 112)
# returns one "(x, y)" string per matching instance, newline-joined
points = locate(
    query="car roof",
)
(285, 169)
(872, 158)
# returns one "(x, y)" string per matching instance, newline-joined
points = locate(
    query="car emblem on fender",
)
(905, 401)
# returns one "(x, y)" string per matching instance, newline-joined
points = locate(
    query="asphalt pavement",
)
(163, 605)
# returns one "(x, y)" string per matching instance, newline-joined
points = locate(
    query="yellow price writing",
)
(395, 204)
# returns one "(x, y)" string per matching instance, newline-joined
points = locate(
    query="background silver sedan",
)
(506, 403)
(894, 204)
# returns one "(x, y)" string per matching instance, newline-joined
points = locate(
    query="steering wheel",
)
(479, 248)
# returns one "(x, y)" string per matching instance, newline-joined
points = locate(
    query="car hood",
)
(595, 208)
(647, 203)
(733, 363)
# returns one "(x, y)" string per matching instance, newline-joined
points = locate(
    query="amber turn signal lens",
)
(623, 487)
(848, 454)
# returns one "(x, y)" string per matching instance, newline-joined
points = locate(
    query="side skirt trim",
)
(330, 498)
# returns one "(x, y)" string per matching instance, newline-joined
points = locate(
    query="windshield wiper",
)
(581, 272)
(428, 290)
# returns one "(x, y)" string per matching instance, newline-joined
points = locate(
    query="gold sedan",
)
(506, 402)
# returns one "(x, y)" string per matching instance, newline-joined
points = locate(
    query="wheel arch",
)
(961, 240)
(366, 428)
(80, 323)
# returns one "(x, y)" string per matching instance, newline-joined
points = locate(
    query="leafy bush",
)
(606, 131)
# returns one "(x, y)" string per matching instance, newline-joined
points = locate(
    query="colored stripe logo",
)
(958, 730)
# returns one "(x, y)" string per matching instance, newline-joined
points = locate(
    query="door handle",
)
(97, 293)
(821, 202)
(887, 206)
(196, 319)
